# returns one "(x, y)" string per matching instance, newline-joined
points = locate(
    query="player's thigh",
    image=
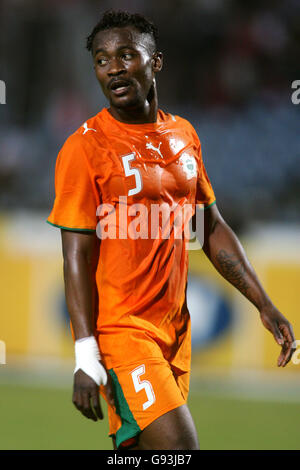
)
(174, 430)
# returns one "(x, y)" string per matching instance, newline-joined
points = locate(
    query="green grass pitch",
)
(44, 418)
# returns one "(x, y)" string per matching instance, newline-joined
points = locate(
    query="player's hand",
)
(282, 331)
(86, 396)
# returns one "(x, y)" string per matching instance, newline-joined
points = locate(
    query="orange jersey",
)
(108, 177)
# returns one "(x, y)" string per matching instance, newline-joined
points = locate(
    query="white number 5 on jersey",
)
(143, 385)
(132, 171)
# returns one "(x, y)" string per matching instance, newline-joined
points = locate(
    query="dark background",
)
(228, 68)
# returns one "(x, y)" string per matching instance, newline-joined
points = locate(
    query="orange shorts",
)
(143, 392)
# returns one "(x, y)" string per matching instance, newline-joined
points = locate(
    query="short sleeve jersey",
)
(129, 183)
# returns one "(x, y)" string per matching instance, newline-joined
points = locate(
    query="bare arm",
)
(226, 253)
(80, 254)
(80, 257)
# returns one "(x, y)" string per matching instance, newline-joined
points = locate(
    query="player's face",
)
(124, 66)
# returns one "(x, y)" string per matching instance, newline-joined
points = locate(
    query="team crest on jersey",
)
(188, 164)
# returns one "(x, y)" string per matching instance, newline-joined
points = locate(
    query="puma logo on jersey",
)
(86, 128)
(156, 149)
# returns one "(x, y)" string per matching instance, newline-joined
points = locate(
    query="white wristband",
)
(87, 357)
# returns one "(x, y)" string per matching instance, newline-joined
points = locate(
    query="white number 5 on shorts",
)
(143, 385)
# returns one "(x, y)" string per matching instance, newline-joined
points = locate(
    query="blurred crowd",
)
(228, 68)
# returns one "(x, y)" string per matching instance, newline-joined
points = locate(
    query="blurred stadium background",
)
(229, 66)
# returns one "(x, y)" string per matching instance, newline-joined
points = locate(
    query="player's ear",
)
(157, 61)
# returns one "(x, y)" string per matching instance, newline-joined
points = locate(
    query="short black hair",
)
(118, 19)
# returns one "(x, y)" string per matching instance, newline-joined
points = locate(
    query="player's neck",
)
(144, 115)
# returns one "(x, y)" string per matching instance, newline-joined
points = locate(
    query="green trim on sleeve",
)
(72, 229)
(206, 207)
(129, 426)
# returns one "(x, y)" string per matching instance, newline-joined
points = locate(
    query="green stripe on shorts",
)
(129, 426)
